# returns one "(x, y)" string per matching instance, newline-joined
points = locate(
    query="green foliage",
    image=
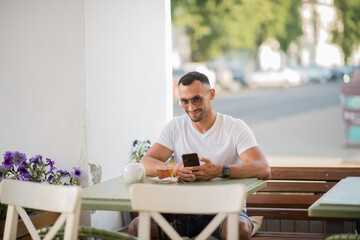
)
(202, 22)
(347, 33)
(219, 26)
(289, 28)
(140, 149)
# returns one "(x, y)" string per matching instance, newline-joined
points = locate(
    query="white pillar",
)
(128, 80)
(80, 80)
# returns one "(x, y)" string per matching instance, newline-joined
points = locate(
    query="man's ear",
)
(212, 94)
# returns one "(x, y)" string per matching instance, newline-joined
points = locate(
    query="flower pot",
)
(40, 219)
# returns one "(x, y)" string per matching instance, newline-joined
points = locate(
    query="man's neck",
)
(205, 124)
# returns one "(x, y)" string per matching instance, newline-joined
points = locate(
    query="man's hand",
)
(206, 171)
(183, 173)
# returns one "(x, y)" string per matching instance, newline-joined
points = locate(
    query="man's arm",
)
(254, 164)
(157, 154)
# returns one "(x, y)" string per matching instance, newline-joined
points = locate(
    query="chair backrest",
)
(41, 196)
(152, 199)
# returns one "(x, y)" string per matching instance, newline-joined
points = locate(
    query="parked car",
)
(337, 73)
(284, 77)
(303, 74)
(318, 74)
(238, 75)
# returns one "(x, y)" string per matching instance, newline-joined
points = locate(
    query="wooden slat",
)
(288, 235)
(286, 201)
(278, 213)
(313, 173)
(286, 213)
(288, 195)
(40, 220)
(316, 187)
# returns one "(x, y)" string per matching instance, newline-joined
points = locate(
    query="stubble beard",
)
(203, 113)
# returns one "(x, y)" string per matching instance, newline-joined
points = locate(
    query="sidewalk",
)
(305, 161)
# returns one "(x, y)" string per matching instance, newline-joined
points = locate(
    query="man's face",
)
(196, 100)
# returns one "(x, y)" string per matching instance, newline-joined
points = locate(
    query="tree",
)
(220, 26)
(291, 24)
(202, 22)
(347, 33)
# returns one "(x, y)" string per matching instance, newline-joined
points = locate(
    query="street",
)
(302, 124)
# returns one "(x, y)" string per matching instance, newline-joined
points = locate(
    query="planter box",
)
(39, 219)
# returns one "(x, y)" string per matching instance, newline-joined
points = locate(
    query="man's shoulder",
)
(179, 120)
(232, 125)
(229, 120)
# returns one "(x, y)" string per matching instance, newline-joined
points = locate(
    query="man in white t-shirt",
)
(226, 148)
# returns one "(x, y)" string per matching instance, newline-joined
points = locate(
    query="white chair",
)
(150, 200)
(41, 196)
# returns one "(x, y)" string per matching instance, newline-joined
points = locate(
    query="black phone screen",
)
(190, 159)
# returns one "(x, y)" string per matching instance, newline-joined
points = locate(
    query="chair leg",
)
(144, 226)
(232, 228)
(211, 227)
(71, 227)
(11, 223)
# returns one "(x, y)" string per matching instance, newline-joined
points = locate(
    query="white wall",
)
(128, 81)
(80, 80)
(42, 88)
(127, 88)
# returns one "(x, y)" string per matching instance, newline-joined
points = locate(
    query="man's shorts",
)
(198, 222)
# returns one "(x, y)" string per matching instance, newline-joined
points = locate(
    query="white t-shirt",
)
(222, 143)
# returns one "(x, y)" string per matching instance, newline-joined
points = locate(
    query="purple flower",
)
(148, 141)
(16, 154)
(134, 143)
(63, 173)
(8, 160)
(22, 169)
(77, 172)
(8, 155)
(19, 157)
(24, 174)
(50, 178)
(25, 177)
(37, 160)
(22, 158)
(51, 163)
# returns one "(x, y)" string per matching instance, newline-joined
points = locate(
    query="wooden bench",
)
(285, 200)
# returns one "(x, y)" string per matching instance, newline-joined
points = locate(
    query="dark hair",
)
(190, 77)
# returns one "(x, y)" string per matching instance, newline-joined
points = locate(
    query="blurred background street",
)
(282, 67)
(302, 124)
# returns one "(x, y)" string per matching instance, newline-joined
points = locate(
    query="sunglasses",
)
(196, 101)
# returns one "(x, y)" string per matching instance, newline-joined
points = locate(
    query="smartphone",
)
(190, 159)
